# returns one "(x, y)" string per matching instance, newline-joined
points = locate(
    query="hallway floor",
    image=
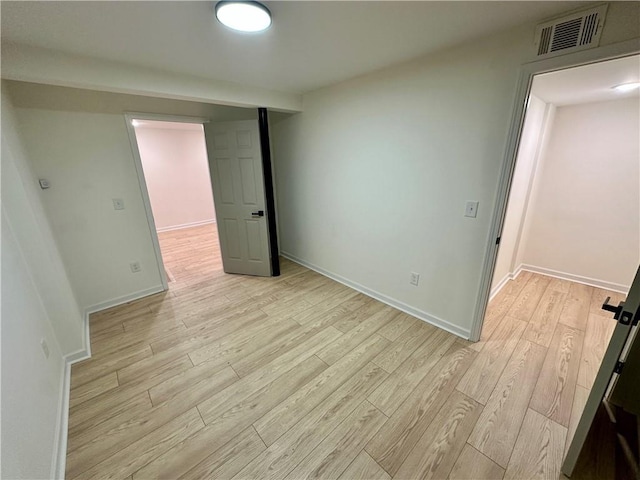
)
(191, 254)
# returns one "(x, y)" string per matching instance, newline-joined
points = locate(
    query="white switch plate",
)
(118, 204)
(471, 210)
(44, 183)
(414, 279)
(135, 267)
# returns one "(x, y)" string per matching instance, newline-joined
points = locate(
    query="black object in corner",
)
(265, 147)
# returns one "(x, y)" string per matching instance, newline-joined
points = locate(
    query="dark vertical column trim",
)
(265, 146)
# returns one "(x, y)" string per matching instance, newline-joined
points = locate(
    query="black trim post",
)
(265, 146)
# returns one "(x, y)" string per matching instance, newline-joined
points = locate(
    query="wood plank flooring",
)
(228, 376)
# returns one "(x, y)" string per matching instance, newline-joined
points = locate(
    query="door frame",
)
(523, 88)
(137, 160)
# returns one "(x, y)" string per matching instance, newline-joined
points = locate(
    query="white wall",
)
(37, 303)
(176, 171)
(88, 161)
(78, 140)
(31, 383)
(20, 199)
(531, 143)
(527, 216)
(585, 209)
(373, 175)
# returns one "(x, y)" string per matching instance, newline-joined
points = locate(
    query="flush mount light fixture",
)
(627, 87)
(243, 16)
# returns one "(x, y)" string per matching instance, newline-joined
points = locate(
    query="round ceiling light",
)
(627, 87)
(243, 16)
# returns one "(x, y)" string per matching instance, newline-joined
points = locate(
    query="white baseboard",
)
(185, 225)
(594, 282)
(509, 276)
(74, 357)
(114, 302)
(65, 392)
(424, 316)
(494, 291)
(60, 448)
(85, 351)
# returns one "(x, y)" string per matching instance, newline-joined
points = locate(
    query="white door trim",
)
(137, 160)
(527, 71)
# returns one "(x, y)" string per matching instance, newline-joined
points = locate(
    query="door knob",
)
(259, 213)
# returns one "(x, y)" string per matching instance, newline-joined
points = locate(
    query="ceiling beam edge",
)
(38, 65)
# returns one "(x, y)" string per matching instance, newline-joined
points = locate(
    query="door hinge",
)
(498, 241)
(618, 368)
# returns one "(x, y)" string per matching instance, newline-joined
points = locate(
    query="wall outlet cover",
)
(471, 209)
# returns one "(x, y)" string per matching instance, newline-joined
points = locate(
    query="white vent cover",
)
(578, 31)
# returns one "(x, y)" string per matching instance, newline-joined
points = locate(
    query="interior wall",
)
(373, 175)
(176, 171)
(25, 208)
(527, 218)
(37, 304)
(531, 143)
(88, 161)
(31, 383)
(78, 140)
(585, 209)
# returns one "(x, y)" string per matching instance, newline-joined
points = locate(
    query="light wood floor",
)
(296, 377)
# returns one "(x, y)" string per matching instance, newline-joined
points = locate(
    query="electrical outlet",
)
(414, 279)
(135, 267)
(118, 204)
(45, 347)
(471, 209)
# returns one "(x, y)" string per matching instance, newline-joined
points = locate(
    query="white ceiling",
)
(588, 83)
(310, 44)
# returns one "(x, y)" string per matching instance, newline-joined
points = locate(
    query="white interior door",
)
(235, 165)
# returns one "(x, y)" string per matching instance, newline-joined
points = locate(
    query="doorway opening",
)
(570, 238)
(207, 189)
(176, 170)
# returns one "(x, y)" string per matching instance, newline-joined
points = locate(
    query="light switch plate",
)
(471, 210)
(118, 204)
(44, 183)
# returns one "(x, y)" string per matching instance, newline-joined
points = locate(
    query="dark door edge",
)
(265, 147)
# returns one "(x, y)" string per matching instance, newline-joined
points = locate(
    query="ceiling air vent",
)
(578, 31)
